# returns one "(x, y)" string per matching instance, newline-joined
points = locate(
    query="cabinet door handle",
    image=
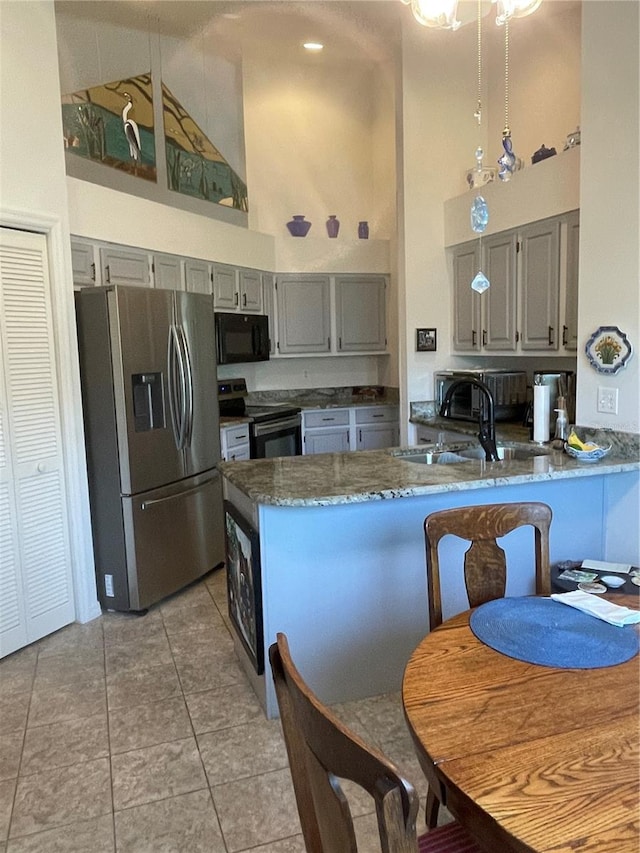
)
(565, 329)
(550, 336)
(93, 272)
(244, 299)
(236, 299)
(484, 337)
(108, 272)
(473, 337)
(328, 343)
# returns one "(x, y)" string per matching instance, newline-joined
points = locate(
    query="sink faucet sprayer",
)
(487, 434)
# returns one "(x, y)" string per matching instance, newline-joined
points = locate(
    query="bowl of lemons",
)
(584, 451)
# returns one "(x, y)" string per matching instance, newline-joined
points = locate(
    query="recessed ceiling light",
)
(312, 45)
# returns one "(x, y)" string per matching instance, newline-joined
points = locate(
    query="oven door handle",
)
(275, 426)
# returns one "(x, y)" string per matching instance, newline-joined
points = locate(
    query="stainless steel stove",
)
(274, 428)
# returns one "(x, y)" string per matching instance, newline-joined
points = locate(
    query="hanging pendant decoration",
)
(480, 283)
(507, 161)
(479, 207)
(479, 214)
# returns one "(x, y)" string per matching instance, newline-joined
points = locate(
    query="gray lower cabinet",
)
(353, 428)
(304, 318)
(325, 431)
(234, 442)
(197, 276)
(376, 427)
(434, 435)
(570, 327)
(125, 266)
(167, 272)
(539, 285)
(360, 313)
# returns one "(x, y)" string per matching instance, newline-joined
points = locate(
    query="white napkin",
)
(614, 614)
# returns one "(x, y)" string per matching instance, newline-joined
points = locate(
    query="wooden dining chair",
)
(485, 565)
(321, 751)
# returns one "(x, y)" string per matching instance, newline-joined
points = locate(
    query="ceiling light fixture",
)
(443, 14)
(313, 45)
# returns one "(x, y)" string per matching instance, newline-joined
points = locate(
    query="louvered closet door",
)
(36, 594)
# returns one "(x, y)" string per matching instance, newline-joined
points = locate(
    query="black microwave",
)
(241, 338)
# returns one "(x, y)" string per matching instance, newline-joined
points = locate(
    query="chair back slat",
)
(485, 572)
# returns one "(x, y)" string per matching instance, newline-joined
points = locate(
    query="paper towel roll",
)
(541, 412)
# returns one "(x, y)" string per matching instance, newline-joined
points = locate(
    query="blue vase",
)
(298, 227)
(333, 226)
(363, 230)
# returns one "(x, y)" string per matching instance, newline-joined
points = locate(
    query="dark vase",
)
(363, 230)
(333, 226)
(298, 227)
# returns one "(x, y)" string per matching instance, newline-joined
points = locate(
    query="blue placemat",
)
(542, 631)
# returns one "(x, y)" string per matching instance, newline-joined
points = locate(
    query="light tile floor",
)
(141, 734)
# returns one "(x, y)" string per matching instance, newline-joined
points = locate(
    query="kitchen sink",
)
(434, 457)
(458, 455)
(505, 452)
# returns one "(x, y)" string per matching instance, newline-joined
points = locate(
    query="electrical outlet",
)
(608, 400)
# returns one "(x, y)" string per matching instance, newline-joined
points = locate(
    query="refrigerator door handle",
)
(175, 376)
(187, 400)
(149, 504)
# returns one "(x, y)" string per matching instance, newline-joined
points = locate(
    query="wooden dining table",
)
(528, 757)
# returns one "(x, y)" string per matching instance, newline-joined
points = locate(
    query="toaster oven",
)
(508, 387)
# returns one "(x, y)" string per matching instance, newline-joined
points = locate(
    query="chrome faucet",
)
(486, 417)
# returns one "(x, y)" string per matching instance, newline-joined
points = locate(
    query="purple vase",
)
(363, 230)
(298, 227)
(333, 226)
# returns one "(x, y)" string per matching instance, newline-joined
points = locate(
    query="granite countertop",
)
(328, 398)
(368, 475)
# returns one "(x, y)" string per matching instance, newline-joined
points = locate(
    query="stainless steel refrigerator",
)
(149, 387)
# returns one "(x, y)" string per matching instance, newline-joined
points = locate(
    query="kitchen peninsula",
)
(341, 547)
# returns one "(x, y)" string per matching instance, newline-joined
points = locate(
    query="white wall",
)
(610, 226)
(33, 195)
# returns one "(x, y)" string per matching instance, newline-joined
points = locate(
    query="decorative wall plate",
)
(608, 349)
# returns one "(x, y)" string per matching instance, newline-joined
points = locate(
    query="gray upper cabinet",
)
(197, 276)
(237, 289)
(570, 327)
(268, 288)
(250, 286)
(125, 266)
(539, 285)
(530, 270)
(466, 302)
(83, 263)
(360, 313)
(499, 266)
(225, 287)
(304, 318)
(167, 272)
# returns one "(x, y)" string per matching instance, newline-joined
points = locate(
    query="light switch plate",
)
(607, 400)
